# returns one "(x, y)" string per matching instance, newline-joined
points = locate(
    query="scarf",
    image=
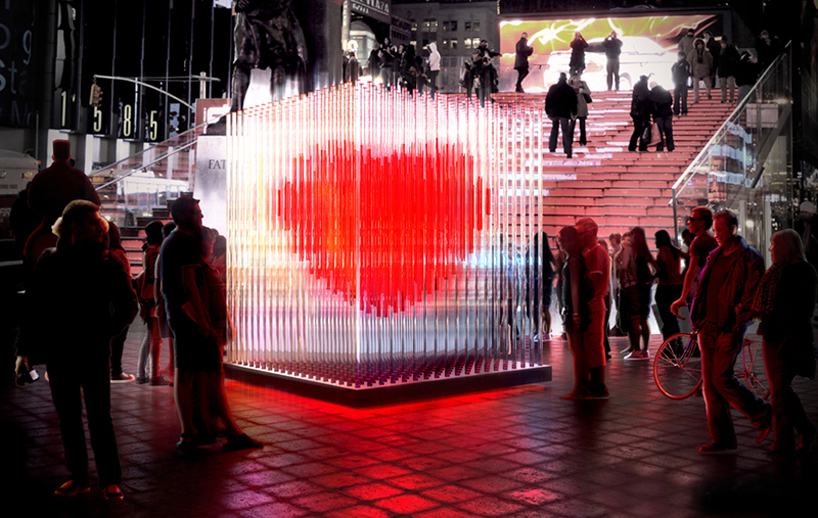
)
(700, 55)
(764, 300)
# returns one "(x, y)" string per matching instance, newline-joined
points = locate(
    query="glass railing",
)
(137, 185)
(746, 165)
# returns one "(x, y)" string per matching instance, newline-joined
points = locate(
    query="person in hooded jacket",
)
(661, 103)
(701, 66)
(640, 114)
(434, 67)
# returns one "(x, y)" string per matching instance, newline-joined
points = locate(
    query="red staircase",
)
(605, 181)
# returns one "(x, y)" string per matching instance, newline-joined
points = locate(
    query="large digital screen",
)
(650, 46)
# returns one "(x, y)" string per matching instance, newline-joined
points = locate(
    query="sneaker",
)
(113, 492)
(716, 448)
(141, 380)
(161, 381)
(72, 488)
(626, 350)
(638, 355)
(122, 378)
(545, 336)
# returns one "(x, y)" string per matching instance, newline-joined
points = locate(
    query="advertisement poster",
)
(650, 47)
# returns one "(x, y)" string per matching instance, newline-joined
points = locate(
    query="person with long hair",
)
(575, 310)
(113, 242)
(636, 280)
(152, 343)
(669, 287)
(542, 264)
(784, 302)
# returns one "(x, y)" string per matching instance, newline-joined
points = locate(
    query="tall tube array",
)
(377, 238)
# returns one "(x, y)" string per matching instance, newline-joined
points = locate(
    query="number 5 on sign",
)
(153, 126)
(97, 120)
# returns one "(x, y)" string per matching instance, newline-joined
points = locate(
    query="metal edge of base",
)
(388, 394)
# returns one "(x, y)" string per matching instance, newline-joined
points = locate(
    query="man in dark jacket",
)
(768, 48)
(561, 106)
(728, 61)
(78, 299)
(721, 312)
(613, 48)
(661, 101)
(681, 75)
(747, 71)
(714, 48)
(640, 113)
(521, 55)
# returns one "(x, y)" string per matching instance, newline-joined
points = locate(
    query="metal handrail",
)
(145, 166)
(165, 142)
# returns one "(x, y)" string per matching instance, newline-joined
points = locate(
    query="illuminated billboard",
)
(650, 46)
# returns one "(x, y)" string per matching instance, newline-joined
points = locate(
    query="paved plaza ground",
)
(517, 452)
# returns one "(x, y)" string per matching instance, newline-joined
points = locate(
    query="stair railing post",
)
(675, 220)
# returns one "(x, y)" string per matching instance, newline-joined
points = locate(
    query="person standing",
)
(721, 312)
(669, 288)
(78, 299)
(576, 293)
(728, 62)
(198, 353)
(768, 48)
(640, 114)
(701, 66)
(747, 71)
(598, 268)
(117, 252)
(434, 67)
(784, 302)
(577, 64)
(613, 49)
(686, 43)
(714, 48)
(560, 106)
(523, 51)
(50, 191)
(680, 71)
(152, 343)
(661, 108)
(636, 280)
(583, 93)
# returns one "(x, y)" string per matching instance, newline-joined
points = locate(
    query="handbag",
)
(588, 98)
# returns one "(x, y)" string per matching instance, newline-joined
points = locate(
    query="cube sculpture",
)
(379, 245)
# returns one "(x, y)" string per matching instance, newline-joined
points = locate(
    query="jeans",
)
(728, 82)
(433, 81)
(680, 99)
(639, 124)
(151, 345)
(521, 73)
(707, 83)
(665, 125)
(788, 412)
(71, 382)
(612, 67)
(721, 390)
(581, 121)
(665, 296)
(567, 134)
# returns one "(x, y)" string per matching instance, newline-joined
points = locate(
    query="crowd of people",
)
(80, 299)
(726, 287)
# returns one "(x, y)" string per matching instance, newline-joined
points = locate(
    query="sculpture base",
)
(388, 393)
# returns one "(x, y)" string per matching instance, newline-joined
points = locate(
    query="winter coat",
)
(728, 61)
(582, 104)
(701, 69)
(746, 267)
(522, 53)
(661, 102)
(686, 44)
(561, 101)
(640, 101)
(680, 72)
(578, 53)
(714, 48)
(434, 57)
(613, 47)
(747, 72)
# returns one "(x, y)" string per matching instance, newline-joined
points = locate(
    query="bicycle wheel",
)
(677, 367)
(752, 370)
